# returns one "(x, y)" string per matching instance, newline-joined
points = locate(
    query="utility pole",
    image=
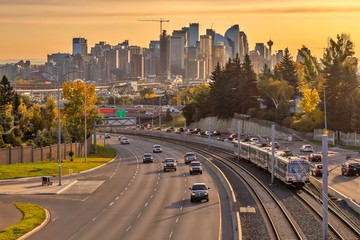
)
(161, 20)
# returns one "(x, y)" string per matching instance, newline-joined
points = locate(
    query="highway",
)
(127, 199)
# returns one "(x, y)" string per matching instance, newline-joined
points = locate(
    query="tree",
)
(250, 90)
(288, 71)
(7, 92)
(74, 109)
(279, 91)
(341, 82)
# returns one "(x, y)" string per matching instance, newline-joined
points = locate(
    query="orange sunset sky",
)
(31, 29)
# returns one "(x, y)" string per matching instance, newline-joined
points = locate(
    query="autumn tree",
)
(74, 109)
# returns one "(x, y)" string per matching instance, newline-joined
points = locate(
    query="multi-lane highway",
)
(127, 199)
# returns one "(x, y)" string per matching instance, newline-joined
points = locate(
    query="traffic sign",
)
(120, 113)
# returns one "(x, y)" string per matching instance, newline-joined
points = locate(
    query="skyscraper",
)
(193, 34)
(232, 41)
(176, 53)
(80, 46)
(164, 55)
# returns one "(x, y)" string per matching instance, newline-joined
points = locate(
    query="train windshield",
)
(298, 168)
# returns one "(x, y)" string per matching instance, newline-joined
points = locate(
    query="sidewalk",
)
(33, 187)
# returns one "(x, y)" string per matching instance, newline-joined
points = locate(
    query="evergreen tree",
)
(288, 70)
(340, 82)
(7, 92)
(250, 91)
(216, 95)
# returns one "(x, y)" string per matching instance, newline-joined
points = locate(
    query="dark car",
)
(316, 170)
(276, 145)
(350, 169)
(216, 133)
(314, 157)
(169, 164)
(147, 158)
(199, 192)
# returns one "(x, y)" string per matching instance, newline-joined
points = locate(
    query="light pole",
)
(59, 126)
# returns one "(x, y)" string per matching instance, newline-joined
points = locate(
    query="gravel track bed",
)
(309, 223)
(252, 224)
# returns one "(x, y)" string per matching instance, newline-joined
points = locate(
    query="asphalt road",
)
(127, 199)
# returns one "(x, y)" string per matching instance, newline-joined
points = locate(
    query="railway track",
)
(278, 219)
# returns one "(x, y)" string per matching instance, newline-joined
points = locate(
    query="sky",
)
(31, 29)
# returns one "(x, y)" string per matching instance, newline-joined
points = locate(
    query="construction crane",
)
(161, 20)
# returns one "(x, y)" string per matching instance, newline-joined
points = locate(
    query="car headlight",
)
(206, 193)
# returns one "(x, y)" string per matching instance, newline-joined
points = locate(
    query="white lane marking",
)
(122, 193)
(177, 219)
(111, 203)
(155, 190)
(151, 196)
(171, 234)
(181, 208)
(55, 219)
(125, 189)
(128, 228)
(117, 198)
(112, 175)
(146, 204)
(86, 198)
(183, 198)
(185, 180)
(94, 219)
(139, 215)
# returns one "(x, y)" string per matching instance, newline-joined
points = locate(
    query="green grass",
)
(33, 216)
(50, 168)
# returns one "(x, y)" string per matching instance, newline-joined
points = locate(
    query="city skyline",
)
(33, 30)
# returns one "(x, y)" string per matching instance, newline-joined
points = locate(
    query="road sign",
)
(120, 113)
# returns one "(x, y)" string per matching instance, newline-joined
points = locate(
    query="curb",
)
(43, 224)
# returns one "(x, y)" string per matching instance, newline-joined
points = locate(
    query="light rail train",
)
(289, 168)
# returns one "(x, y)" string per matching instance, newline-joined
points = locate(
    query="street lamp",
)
(59, 126)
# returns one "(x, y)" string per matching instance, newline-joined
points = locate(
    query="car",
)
(157, 149)
(350, 168)
(276, 145)
(177, 131)
(148, 158)
(232, 136)
(255, 140)
(306, 148)
(124, 140)
(195, 167)
(107, 135)
(316, 169)
(216, 133)
(208, 133)
(169, 164)
(199, 192)
(314, 157)
(149, 113)
(189, 157)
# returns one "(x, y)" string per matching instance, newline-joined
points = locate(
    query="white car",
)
(124, 140)
(157, 149)
(306, 148)
(195, 167)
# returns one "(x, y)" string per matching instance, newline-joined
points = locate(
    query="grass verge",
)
(50, 168)
(33, 216)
